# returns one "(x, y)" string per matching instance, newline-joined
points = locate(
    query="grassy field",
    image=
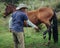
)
(32, 39)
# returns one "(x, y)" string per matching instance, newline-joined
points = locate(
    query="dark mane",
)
(12, 5)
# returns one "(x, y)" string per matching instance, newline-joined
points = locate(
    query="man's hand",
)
(36, 28)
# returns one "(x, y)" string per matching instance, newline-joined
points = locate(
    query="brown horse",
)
(42, 15)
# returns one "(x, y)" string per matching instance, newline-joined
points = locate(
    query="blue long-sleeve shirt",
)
(18, 18)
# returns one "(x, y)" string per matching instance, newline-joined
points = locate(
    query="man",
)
(16, 25)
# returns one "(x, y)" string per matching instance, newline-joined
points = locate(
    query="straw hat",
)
(21, 6)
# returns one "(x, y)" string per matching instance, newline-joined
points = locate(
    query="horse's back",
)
(46, 9)
(46, 13)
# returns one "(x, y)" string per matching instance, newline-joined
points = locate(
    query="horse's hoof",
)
(37, 29)
(47, 44)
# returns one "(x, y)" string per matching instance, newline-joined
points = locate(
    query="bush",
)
(57, 7)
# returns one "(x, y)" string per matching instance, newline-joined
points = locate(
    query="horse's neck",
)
(14, 9)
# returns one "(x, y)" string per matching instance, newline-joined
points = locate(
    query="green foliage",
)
(2, 8)
(10, 1)
(57, 7)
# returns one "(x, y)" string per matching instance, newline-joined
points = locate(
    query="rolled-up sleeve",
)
(10, 22)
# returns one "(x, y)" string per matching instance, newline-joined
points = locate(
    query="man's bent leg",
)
(15, 40)
(20, 36)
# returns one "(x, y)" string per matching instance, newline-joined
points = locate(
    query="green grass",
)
(32, 39)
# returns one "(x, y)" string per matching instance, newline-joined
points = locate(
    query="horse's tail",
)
(55, 28)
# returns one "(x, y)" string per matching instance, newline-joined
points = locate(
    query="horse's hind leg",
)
(49, 32)
(48, 29)
(49, 35)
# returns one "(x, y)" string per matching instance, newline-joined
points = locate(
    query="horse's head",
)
(9, 9)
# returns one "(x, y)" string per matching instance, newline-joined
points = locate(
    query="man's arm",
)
(10, 22)
(31, 24)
